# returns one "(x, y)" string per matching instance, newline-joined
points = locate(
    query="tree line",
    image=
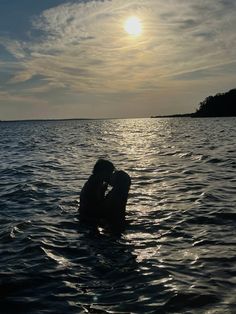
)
(220, 105)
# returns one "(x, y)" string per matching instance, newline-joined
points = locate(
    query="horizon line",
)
(70, 119)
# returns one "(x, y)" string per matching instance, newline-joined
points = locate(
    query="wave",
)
(178, 251)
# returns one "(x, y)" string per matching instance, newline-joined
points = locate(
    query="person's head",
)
(104, 169)
(121, 181)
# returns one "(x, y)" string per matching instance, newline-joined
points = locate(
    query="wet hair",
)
(102, 166)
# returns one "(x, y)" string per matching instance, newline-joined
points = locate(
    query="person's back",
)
(92, 194)
(90, 197)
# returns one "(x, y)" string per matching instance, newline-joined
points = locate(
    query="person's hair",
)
(102, 166)
(122, 181)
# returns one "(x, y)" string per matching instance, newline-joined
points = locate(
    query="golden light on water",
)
(133, 26)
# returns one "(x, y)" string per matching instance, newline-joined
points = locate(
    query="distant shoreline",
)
(222, 105)
(184, 115)
(41, 120)
(177, 115)
(69, 119)
(188, 115)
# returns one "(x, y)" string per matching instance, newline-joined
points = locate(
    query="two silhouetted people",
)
(96, 208)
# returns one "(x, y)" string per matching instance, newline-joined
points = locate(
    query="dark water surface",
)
(178, 255)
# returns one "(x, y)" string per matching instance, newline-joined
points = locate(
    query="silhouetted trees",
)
(220, 105)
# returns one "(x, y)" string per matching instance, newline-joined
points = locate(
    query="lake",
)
(178, 253)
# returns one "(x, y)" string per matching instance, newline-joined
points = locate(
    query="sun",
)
(133, 26)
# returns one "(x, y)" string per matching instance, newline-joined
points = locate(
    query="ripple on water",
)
(178, 252)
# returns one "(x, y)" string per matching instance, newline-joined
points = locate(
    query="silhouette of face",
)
(107, 176)
(113, 178)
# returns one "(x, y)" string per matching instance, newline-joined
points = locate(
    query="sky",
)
(74, 59)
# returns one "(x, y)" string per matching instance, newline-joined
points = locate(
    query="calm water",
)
(178, 254)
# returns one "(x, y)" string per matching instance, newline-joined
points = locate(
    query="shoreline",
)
(187, 115)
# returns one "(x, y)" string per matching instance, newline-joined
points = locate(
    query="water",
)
(178, 254)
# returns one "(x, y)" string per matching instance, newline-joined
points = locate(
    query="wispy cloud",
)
(82, 47)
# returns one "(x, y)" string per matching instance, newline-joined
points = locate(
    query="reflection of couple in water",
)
(100, 209)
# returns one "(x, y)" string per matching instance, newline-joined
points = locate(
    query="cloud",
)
(208, 72)
(82, 47)
(8, 97)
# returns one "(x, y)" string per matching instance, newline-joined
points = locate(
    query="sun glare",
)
(133, 26)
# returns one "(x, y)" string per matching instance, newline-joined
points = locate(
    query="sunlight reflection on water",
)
(178, 252)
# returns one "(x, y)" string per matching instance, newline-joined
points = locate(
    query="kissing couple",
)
(100, 209)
